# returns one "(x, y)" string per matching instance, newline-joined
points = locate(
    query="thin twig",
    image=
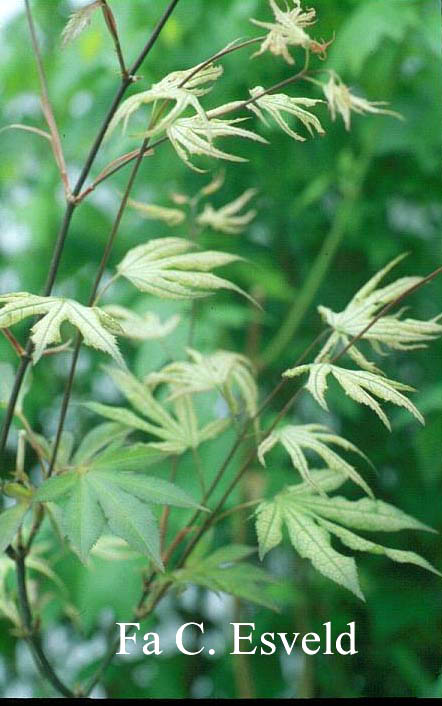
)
(47, 107)
(32, 635)
(18, 348)
(91, 302)
(166, 511)
(130, 156)
(112, 27)
(209, 521)
(70, 208)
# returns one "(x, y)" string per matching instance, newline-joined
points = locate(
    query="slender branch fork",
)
(139, 157)
(72, 203)
(212, 517)
(215, 514)
(73, 198)
(31, 630)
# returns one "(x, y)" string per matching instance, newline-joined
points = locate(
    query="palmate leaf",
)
(341, 100)
(288, 30)
(141, 327)
(178, 431)
(170, 216)
(224, 571)
(388, 332)
(97, 328)
(164, 267)
(107, 491)
(97, 439)
(176, 87)
(224, 371)
(360, 385)
(194, 136)
(277, 103)
(227, 219)
(317, 438)
(311, 519)
(10, 522)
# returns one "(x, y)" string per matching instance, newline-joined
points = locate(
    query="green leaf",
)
(97, 439)
(136, 457)
(83, 519)
(106, 487)
(10, 521)
(147, 488)
(7, 377)
(367, 28)
(221, 572)
(229, 554)
(55, 488)
(129, 518)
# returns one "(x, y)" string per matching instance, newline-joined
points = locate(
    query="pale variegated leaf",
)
(311, 518)
(97, 328)
(122, 416)
(223, 371)
(288, 29)
(389, 332)
(324, 480)
(194, 136)
(277, 103)
(341, 100)
(269, 521)
(141, 327)
(164, 268)
(170, 216)
(178, 430)
(353, 541)
(175, 88)
(360, 385)
(227, 218)
(364, 514)
(316, 438)
(312, 542)
(214, 184)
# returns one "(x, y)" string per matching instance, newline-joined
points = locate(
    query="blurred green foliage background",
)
(362, 197)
